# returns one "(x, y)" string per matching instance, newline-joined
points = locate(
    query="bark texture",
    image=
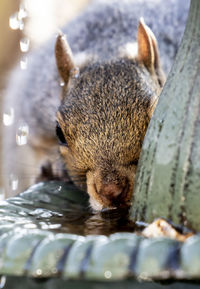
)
(168, 177)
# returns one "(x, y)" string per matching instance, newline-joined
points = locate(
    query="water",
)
(108, 274)
(2, 194)
(22, 12)
(24, 44)
(62, 83)
(83, 222)
(13, 181)
(21, 25)
(22, 134)
(24, 62)
(8, 117)
(49, 226)
(39, 272)
(67, 211)
(30, 226)
(14, 22)
(2, 281)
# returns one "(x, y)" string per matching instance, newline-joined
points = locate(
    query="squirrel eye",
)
(60, 135)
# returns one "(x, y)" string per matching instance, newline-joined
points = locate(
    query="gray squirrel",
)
(90, 129)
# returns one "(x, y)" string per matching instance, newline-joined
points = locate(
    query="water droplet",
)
(62, 83)
(59, 188)
(14, 21)
(22, 12)
(8, 117)
(22, 134)
(39, 272)
(13, 181)
(107, 274)
(74, 72)
(2, 194)
(2, 281)
(23, 62)
(24, 44)
(21, 25)
(27, 4)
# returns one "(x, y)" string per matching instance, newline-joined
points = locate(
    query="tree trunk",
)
(168, 177)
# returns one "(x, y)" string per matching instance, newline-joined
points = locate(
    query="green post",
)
(168, 177)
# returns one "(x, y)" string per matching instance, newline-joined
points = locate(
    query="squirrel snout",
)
(108, 191)
(116, 194)
(111, 190)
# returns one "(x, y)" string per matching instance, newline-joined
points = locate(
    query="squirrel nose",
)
(114, 194)
(111, 191)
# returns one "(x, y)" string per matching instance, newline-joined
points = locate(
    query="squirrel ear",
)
(148, 52)
(64, 57)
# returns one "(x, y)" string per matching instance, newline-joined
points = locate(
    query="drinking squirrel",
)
(97, 92)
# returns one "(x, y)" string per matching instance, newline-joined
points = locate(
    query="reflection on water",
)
(79, 221)
(62, 208)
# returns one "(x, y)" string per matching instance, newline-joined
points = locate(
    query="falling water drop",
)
(2, 281)
(8, 117)
(2, 194)
(14, 21)
(13, 180)
(23, 62)
(62, 83)
(107, 274)
(24, 44)
(22, 134)
(22, 12)
(39, 272)
(75, 72)
(21, 25)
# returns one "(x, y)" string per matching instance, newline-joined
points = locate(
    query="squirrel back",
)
(111, 86)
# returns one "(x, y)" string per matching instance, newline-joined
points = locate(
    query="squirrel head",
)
(103, 118)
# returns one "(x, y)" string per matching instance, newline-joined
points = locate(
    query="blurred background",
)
(25, 25)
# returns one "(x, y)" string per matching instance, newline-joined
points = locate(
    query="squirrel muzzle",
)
(113, 193)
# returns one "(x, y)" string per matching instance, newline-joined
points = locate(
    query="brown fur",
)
(103, 113)
(104, 124)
